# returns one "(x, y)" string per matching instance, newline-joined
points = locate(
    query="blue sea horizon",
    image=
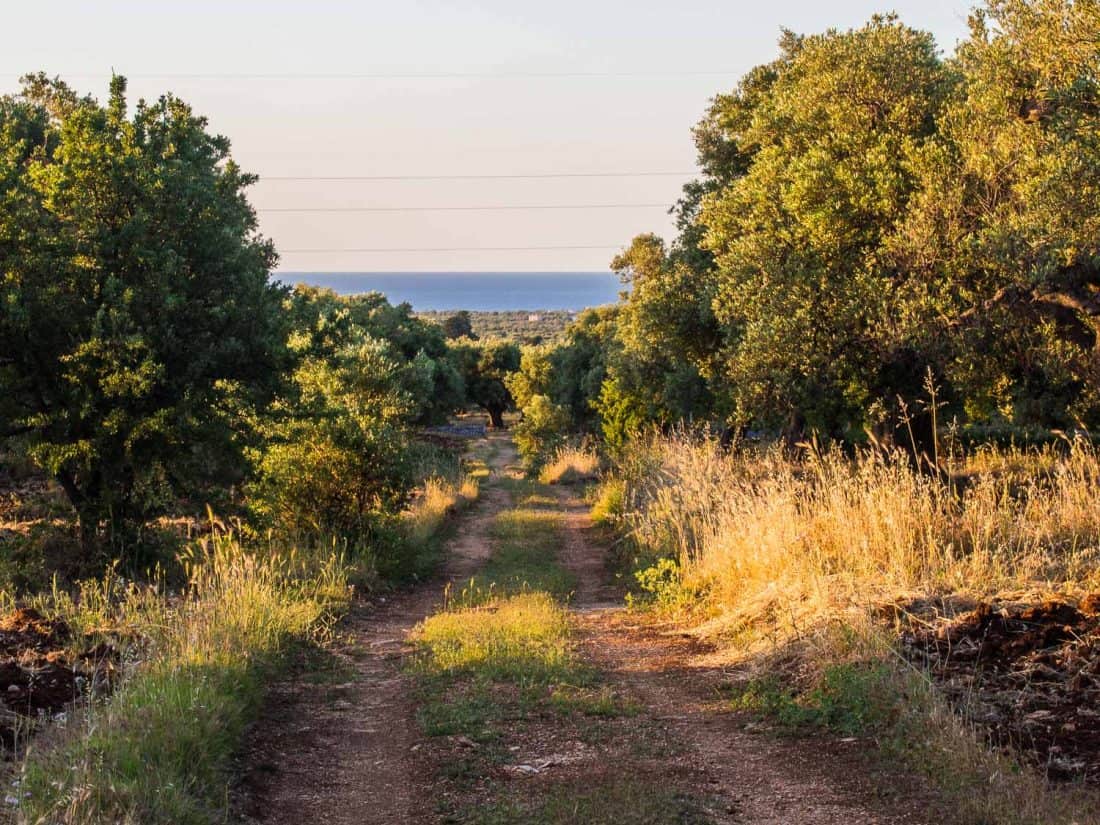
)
(474, 291)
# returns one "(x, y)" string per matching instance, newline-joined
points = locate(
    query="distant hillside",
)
(531, 327)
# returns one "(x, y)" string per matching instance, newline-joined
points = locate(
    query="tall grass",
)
(422, 527)
(571, 464)
(762, 540)
(439, 499)
(791, 563)
(159, 749)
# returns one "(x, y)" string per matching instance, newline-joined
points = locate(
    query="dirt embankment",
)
(1029, 674)
(39, 674)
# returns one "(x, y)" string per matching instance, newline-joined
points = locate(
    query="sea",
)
(475, 291)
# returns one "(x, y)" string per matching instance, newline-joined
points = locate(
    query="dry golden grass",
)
(440, 498)
(570, 465)
(764, 541)
(791, 562)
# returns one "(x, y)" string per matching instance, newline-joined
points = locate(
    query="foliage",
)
(872, 220)
(138, 330)
(541, 431)
(523, 327)
(458, 325)
(324, 322)
(335, 465)
(795, 236)
(1007, 221)
(485, 367)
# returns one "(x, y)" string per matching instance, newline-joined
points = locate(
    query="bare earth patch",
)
(1029, 673)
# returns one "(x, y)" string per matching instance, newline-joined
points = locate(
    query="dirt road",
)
(342, 744)
(338, 745)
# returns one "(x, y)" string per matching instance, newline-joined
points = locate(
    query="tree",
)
(668, 333)
(459, 325)
(1006, 229)
(812, 306)
(544, 428)
(334, 464)
(138, 328)
(330, 321)
(484, 368)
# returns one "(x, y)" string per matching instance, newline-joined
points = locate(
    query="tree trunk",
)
(496, 416)
(87, 521)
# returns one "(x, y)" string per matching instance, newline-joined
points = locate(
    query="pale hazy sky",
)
(656, 64)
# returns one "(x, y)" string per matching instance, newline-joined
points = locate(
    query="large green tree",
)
(138, 328)
(797, 237)
(1006, 228)
(485, 367)
(330, 321)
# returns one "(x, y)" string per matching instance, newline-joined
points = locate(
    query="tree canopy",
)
(138, 327)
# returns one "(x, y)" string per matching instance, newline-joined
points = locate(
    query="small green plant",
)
(610, 503)
(661, 587)
(851, 698)
(856, 698)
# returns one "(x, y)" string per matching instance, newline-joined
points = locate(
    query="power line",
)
(493, 208)
(533, 176)
(453, 249)
(393, 75)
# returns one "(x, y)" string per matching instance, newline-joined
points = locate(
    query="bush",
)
(541, 431)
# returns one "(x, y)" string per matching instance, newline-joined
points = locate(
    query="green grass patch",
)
(524, 558)
(479, 667)
(523, 639)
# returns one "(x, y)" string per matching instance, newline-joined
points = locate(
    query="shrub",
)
(541, 431)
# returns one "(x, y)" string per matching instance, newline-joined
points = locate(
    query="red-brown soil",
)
(38, 675)
(1028, 673)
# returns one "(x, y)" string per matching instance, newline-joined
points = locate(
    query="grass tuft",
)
(570, 465)
(159, 749)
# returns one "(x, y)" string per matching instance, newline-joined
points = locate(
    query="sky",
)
(411, 88)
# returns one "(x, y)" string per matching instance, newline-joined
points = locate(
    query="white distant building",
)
(534, 318)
